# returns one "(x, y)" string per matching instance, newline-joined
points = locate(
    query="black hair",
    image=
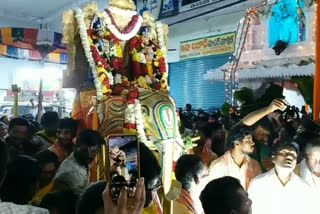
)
(265, 123)
(46, 157)
(188, 167)
(22, 175)
(149, 166)
(281, 145)
(91, 199)
(48, 118)
(209, 128)
(220, 196)
(90, 138)
(4, 156)
(34, 127)
(69, 123)
(63, 201)
(19, 121)
(237, 133)
(189, 106)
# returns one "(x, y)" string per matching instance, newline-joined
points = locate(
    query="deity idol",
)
(126, 56)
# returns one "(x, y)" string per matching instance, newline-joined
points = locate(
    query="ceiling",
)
(21, 13)
(43, 11)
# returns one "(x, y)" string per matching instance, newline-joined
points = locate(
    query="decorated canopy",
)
(28, 44)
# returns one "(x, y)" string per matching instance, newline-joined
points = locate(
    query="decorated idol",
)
(123, 55)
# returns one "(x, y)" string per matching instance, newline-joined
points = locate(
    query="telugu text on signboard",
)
(213, 45)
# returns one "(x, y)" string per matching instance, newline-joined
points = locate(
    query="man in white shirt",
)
(309, 168)
(8, 207)
(280, 190)
(236, 162)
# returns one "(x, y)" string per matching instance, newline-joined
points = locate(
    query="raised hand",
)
(278, 104)
(123, 207)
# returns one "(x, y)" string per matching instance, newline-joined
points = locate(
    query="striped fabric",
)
(21, 43)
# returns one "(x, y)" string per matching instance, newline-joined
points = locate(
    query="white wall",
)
(15, 71)
(55, 23)
(10, 22)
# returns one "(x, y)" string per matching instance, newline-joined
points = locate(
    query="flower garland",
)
(162, 45)
(122, 12)
(140, 66)
(125, 34)
(87, 49)
(134, 120)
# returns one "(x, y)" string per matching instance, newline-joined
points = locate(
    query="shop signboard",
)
(209, 46)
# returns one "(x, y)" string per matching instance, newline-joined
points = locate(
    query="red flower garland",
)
(129, 28)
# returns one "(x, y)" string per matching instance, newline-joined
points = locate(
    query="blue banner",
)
(168, 8)
(158, 8)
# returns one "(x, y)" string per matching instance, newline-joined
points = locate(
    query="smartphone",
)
(123, 162)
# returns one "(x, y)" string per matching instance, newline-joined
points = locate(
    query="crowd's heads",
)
(91, 201)
(241, 138)
(50, 122)
(87, 146)
(284, 156)
(150, 170)
(4, 156)
(63, 202)
(225, 196)
(49, 164)
(19, 130)
(191, 172)
(67, 131)
(313, 155)
(21, 181)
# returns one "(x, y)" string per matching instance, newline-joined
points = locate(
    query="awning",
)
(265, 72)
(23, 43)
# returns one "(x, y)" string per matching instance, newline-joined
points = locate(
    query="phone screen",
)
(123, 164)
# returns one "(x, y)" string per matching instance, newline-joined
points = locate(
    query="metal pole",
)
(40, 96)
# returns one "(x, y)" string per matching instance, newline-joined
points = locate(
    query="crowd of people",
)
(265, 162)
